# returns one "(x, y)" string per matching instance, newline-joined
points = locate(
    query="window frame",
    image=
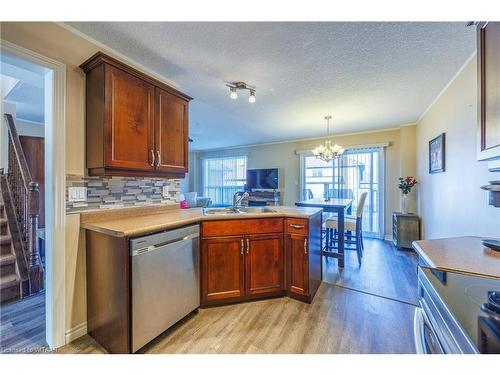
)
(204, 171)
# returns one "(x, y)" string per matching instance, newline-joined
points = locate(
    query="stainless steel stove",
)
(459, 313)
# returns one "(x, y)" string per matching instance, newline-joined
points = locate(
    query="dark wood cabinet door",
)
(129, 121)
(264, 264)
(298, 263)
(171, 132)
(488, 64)
(222, 268)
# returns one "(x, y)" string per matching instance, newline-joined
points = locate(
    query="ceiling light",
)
(328, 152)
(251, 98)
(240, 85)
(233, 94)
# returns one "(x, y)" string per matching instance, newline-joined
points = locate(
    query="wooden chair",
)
(352, 224)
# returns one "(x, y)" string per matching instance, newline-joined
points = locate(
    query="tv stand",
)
(264, 198)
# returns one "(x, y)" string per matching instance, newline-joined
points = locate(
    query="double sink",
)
(236, 210)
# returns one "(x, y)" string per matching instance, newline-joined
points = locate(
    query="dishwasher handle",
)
(160, 245)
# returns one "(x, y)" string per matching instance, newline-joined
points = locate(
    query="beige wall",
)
(57, 43)
(451, 203)
(399, 161)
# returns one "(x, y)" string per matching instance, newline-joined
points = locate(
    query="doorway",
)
(32, 157)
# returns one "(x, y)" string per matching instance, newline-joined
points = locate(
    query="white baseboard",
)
(388, 237)
(76, 332)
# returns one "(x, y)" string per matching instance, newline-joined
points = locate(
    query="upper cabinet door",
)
(171, 137)
(129, 121)
(488, 60)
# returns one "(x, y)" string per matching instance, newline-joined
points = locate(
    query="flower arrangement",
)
(405, 184)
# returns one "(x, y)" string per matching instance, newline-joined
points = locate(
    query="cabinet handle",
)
(242, 246)
(152, 158)
(297, 226)
(305, 246)
(248, 245)
(158, 162)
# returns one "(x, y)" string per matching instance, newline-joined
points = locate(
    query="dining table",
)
(336, 205)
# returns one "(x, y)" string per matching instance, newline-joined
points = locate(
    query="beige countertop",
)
(133, 222)
(460, 254)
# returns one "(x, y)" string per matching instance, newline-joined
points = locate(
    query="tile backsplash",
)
(116, 192)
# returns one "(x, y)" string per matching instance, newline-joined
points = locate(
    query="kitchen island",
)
(242, 257)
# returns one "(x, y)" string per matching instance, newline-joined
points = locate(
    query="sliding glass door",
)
(357, 171)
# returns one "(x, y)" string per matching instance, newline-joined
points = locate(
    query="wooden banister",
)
(24, 192)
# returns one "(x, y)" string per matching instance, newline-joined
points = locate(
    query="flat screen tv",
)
(262, 178)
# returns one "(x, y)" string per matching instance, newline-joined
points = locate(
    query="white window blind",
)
(223, 177)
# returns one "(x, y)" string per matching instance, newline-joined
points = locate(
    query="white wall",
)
(451, 203)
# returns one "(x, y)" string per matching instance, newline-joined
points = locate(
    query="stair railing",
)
(24, 192)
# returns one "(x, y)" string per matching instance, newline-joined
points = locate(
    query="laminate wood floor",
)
(385, 271)
(22, 325)
(367, 309)
(346, 315)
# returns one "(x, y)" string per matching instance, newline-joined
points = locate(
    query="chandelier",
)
(327, 151)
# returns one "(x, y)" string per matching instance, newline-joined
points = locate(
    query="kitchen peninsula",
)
(242, 257)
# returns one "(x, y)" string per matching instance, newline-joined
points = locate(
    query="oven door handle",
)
(426, 341)
(418, 331)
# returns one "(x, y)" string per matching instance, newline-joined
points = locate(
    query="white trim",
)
(382, 186)
(388, 237)
(446, 87)
(55, 305)
(355, 147)
(301, 139)
(76, 332)
(118, 55)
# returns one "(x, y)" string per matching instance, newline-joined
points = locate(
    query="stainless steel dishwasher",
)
(165, 281)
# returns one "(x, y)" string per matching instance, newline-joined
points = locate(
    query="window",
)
(357, 171)
(223, 177)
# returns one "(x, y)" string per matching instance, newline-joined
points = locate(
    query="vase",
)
(404, 203)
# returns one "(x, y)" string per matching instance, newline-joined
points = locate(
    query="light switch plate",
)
(77, 194)
(164, 191)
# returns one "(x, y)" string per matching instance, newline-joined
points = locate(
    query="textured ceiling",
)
(368, 75)
(27, 92)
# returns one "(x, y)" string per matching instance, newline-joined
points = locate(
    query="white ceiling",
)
(23, 83)
(368, 75)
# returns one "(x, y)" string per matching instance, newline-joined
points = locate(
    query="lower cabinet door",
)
(264, 264)
(223, 268)
(298, 264)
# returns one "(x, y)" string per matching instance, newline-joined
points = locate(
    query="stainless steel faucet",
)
(237, 200)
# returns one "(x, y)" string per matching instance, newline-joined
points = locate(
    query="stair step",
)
(7, 259)
(8, 281)
(3, 222)
(5, 240)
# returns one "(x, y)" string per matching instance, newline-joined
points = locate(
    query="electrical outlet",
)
(77, 194)
(164, 191)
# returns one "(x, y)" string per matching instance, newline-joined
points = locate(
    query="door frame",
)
(55, 199)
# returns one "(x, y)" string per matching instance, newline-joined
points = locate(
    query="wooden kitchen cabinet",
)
(488, 72)
(222, 268)
(136, 125)
(241, 260)
(298, 266)
(171, 138)
(264, 264)
(303, 257)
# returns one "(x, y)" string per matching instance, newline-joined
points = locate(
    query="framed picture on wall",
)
(437, 154)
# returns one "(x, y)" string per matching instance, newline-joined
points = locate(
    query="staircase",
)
(10, 285)
(21, 271)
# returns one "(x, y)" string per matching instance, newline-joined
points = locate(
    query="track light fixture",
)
(240, 85)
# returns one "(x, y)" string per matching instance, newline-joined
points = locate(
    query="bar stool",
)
(351, 224)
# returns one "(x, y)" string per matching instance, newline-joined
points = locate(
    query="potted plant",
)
(405, 185)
